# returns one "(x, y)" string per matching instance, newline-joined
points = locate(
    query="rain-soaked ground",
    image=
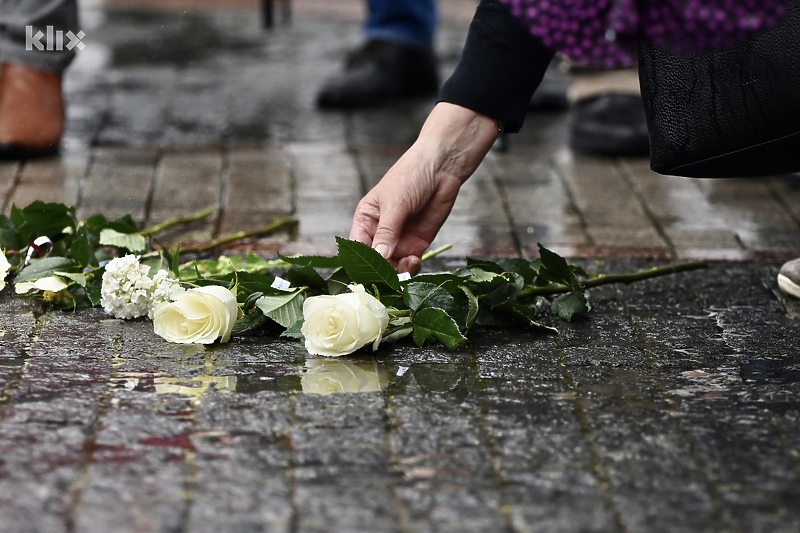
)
(672, 407)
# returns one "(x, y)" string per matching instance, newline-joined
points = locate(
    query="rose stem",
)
(177, 221)
(605, 279)
(272, 227)
(433, 253)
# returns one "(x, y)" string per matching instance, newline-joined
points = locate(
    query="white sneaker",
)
(789, 277)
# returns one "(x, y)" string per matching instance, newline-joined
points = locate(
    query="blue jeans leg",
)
(410, 23)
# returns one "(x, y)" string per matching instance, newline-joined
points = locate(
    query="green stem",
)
(170, 223)
(606, 279)
(275, 225)
(433, 253)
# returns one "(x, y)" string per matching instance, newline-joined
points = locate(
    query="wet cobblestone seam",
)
(596, 465)
(76, 489)
(628, 178)
(44, 448)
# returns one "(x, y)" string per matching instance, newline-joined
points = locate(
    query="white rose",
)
(326, 376)
(341, 324)
(200, 315)
(5, 266)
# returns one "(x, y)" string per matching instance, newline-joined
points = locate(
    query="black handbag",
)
(729, 113)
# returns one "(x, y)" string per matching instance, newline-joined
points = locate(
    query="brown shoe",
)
(31, 112)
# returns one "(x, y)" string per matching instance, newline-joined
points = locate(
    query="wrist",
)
(457, 139)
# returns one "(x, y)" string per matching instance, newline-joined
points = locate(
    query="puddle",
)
(316, 376)
(332, 376)
(771, 371)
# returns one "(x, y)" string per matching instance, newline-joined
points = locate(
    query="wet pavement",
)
(673, 407)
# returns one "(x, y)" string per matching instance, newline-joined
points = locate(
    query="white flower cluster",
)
(164, 288)
(128, 292)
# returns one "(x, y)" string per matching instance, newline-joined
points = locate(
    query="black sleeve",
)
(501, 66)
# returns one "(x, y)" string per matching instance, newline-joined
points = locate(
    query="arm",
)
(499, 69)
(401, 216)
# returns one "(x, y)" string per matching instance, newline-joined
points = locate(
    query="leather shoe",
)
(610, 124)
(31, 112)
(381, 72)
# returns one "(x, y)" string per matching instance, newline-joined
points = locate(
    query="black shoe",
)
(610, 124)
(381, 72)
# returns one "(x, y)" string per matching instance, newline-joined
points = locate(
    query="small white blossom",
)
(126, 289)
(164, 288)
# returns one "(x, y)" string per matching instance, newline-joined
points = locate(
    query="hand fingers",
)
(411, 264)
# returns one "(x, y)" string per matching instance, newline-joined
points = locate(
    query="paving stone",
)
(51, 180)
(671, 407)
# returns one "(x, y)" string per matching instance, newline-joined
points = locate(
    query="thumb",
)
(387, 234)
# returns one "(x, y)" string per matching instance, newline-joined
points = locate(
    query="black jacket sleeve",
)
(501, 66)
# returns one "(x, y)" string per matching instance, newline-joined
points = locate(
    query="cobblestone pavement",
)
(673, 407)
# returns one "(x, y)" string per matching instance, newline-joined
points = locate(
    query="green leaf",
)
(438, 278)
(40, 268)
(80, 279)
(82, 251)
(314, 261)
(423, 295)
(132, 242)
(10, 238)
(293, 331)
(506, 291)
(476, 275)
(365, 265)
(489, 266)
(472, 306)
(557, 269)
(124, 224)
(93, 293)
(249, 322)
(395, 334)
(42, 219)
(524, 313)
(568, 305)
(435, 323)
(520, 266)
(306, 277)
(285, 309)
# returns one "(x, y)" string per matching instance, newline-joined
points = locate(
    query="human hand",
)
(402, 214)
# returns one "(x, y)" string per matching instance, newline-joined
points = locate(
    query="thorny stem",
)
(606, 279)
(275, 225)
(177, 221)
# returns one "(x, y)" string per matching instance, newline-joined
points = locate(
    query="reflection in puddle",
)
(316, 376)
(332, 376)
(194, 387)
(437, 378)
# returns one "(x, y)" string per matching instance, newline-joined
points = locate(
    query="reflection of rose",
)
(343, 323)
(199, 315)
(326, 376)
(196, 386)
